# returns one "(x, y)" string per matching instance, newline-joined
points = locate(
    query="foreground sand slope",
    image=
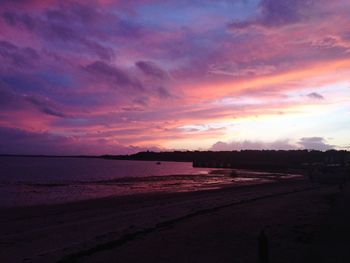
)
(208, 226)
(291, 222)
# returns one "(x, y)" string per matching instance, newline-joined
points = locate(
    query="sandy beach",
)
(207, 226)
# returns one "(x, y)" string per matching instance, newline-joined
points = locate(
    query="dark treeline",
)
(245, 158)
(249, 159)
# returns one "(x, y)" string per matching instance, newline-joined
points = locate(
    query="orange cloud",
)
(286, 80)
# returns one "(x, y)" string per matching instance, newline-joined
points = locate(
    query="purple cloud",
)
(281, 12)
(315, 143)
(164, 93)
(150, 68)
(50, 28)
(17, 141)
(252, 145)
(10, 101)
(83, 67)
(275, 13)
(21, 57)
(117, 76)
(45, 106)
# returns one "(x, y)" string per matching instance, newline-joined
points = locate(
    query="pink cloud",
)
(107, 70)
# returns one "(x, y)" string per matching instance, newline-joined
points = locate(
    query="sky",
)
(118, 77)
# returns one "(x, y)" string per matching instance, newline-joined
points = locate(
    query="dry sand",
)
(208, 226)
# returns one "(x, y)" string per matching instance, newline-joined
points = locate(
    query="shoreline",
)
(40, 193)
(156, 194)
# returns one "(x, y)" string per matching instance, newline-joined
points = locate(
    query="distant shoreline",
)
(300, 161)
(244, 159)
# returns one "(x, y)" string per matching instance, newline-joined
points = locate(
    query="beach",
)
(206, 226)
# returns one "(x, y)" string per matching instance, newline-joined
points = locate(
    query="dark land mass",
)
(245, 159)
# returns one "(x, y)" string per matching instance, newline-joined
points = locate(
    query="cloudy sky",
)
(103, 76)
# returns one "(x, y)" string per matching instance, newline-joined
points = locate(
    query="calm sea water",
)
(35, 180)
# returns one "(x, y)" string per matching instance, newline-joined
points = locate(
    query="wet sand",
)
(208, 226)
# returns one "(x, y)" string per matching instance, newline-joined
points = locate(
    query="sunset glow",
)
(117, 77)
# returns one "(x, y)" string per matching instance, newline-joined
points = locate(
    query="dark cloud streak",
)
(150, 68)
(315, 95)
(119, 77)
(45, 106)
(275, 13)
(22, 57)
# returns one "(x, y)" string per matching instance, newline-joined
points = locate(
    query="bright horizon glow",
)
(117, 77)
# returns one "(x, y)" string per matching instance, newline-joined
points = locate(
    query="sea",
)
(26, 181)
